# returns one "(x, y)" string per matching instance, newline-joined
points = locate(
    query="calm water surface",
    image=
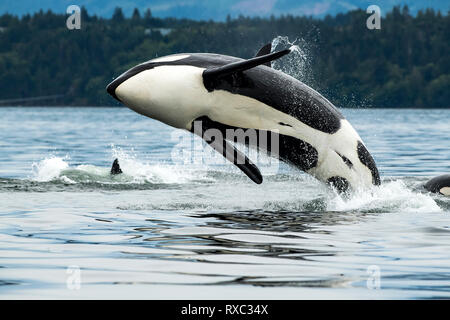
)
(174, 228)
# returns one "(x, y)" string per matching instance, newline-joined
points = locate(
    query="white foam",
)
(391, 196)
(67, 180)
(49, 169)
(90, 169)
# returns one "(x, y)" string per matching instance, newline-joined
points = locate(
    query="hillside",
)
(405, 64)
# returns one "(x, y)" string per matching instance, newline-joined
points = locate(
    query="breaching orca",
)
(115, 168)
(440, 184)
(225, 92)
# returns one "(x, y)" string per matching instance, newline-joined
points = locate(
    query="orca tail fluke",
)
(115, 169)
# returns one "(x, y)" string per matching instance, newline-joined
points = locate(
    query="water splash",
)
(297, 63)
(49, 168)
(391, 196)
(136, 171)
(154, 172)
(399, 195)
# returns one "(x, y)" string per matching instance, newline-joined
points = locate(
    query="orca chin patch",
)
(445, 191)
(339, 183)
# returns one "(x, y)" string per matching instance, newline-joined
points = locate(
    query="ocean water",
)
(174, 227)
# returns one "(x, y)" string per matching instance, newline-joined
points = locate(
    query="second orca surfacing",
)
(225, 92)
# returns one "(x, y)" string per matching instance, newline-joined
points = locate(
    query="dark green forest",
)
(405, 64)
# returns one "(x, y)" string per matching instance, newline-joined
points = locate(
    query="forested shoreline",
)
(405, 64)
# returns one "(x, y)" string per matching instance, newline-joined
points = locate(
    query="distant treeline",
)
(405, 64)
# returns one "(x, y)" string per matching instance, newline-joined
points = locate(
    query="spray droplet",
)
(296, 64)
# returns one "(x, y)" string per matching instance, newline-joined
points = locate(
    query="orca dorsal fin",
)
(236, 157)
(266, 49)
(115, 169)
(212, 74)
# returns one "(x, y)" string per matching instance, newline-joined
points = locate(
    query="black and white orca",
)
(440, 184)
(226, 92)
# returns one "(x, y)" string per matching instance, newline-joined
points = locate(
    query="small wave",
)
(135, 172)
(59, 174)
(145, 172)
(288, 191)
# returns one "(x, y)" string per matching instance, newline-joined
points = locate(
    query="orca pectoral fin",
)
(263, 51)
(215, 139)
(236, 157)
(211, 75)
(208, 130)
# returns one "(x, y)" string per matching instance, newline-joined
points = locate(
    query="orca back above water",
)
(440, 184)
(224, 92)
